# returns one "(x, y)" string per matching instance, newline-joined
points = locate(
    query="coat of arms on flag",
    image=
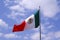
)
(30, 21)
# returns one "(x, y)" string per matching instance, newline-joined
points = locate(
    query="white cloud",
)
(11, 36)
(17, 16)
(43, 35)
(48, 36)
(17, 1)
(36, 36)
(14, 15)
(51, 35)
(49, 8)
(20, 7)
(16, 11)
(30, 4)
(46, 26)
(1, 34)
(25, 37)
(36, 29)
(50, 26)
(43, 29)
(3, 23)
(7, 2)
(57, 34)
(17, 8)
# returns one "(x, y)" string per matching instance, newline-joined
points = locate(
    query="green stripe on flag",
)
(36, 19)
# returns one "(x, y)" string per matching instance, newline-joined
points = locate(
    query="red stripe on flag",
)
(19, 27)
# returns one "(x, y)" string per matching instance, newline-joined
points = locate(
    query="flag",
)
(29, 23)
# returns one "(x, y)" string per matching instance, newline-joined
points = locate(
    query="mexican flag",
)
(29, 23)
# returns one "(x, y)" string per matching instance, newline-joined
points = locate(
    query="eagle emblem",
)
(30, 21)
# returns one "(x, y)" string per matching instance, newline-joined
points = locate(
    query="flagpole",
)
(40, 22)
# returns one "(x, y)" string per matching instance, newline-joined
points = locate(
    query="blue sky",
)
(15, 11)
